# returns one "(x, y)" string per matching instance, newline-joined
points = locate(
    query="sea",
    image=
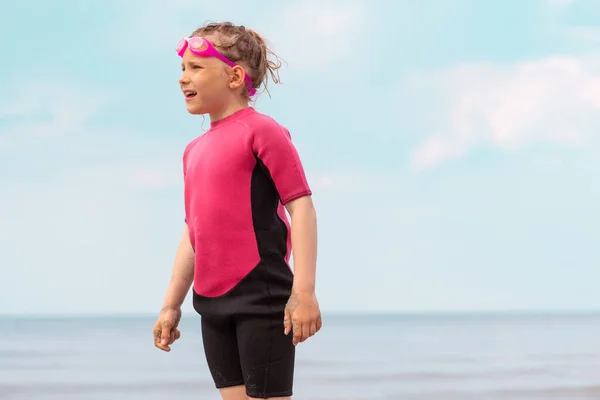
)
(375, 357)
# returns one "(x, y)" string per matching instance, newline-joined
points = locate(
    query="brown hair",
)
(244, 46)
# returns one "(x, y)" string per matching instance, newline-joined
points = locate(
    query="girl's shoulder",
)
(263, 124)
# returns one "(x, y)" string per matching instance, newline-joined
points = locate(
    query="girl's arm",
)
(302, 314)
(165, 330)
(182, 275)
(304, 244)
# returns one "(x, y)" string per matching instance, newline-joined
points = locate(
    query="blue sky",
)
(452, 147)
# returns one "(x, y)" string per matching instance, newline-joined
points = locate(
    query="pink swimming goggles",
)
(203, 48)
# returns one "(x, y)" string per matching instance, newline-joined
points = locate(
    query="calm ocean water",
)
(353, 357)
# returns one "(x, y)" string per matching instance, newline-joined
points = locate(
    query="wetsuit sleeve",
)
(184, 170)
(273, 147)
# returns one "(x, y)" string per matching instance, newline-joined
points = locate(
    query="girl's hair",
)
(243, 45)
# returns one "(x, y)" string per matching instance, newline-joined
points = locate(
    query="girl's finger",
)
(297, 333)
(305, 332)
(313, 328)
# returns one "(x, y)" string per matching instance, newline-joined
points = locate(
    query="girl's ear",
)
(236, 77)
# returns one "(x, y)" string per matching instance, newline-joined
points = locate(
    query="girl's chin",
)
(195, 109)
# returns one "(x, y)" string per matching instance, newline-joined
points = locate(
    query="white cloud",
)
(552, 100)
(561, 15)
(308, 34)
(98, 198)
(582, 33)
(43, 108)
(339, 181)
(138, 173)
(51, 111)
(94, 224)
(558, 3)
(312, 34)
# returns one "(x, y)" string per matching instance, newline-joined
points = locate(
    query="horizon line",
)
(374, 313)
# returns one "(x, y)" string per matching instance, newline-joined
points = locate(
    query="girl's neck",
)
(231, 108)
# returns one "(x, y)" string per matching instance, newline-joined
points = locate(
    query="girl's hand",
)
(165, 329)
(302, 316)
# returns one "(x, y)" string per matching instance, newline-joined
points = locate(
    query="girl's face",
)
(205, 83)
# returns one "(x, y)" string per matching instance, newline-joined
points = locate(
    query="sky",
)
(452, 146)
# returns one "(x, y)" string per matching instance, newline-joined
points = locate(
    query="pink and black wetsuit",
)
(238, 177)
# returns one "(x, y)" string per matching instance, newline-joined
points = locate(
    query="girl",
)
(239, 178)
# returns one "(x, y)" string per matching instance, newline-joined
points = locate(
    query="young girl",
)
(240, 177)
